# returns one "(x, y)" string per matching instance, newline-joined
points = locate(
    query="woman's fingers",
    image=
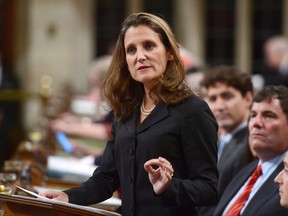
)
(153, 165)
(167, 167)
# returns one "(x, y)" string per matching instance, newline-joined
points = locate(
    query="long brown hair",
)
(122, 92)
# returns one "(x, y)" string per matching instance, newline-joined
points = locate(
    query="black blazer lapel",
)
(160, 112)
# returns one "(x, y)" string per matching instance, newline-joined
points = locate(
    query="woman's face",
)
(146, 55)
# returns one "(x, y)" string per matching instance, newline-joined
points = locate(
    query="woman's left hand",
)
(161, 176)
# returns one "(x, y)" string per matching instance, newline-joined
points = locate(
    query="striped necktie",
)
(236, 207)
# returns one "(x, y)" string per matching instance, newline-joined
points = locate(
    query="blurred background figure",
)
(88, 116)
(191, 62)
(276, 59)
(193, 67)
(10, 127)
(91, 103)
(193, 79)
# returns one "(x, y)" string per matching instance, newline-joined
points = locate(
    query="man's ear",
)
(249, 98)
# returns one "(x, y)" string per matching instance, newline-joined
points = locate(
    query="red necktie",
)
(236, 207)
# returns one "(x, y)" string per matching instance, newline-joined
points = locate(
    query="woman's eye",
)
(149, 46)
(131, 50)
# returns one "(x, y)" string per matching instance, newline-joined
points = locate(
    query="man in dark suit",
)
(229, 93)
(268, 129)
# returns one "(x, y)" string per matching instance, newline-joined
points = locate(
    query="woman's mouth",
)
(142, 68)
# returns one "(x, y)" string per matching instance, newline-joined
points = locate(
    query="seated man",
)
(252, 191)
(229, 93)
(282, 180)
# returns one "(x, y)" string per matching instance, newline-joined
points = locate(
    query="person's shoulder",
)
(193, 104)
(193, 101)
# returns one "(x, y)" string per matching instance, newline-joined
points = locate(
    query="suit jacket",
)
(274, 77)
(236, 155)
(185, 134)
(266, 201)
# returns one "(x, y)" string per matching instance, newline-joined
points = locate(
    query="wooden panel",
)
(17, 209)
(26, 206)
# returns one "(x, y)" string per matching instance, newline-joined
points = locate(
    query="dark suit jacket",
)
(236, 155)
(272, 77)
(266, 202)
(185, 134)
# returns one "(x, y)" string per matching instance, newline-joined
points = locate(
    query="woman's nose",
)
(140, 55)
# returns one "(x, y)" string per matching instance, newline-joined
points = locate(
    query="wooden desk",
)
(26, 206)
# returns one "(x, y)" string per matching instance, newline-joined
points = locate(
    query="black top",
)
(185, 134)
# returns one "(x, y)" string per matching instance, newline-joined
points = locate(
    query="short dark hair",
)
(270, 92)
(230, 75)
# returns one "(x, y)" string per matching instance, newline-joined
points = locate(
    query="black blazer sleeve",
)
(199, 142)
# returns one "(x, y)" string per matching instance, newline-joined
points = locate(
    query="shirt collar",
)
(227, 137)
(274, 162)
(244, 124)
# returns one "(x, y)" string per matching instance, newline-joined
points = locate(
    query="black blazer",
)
(185, 134)
(266, 202)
